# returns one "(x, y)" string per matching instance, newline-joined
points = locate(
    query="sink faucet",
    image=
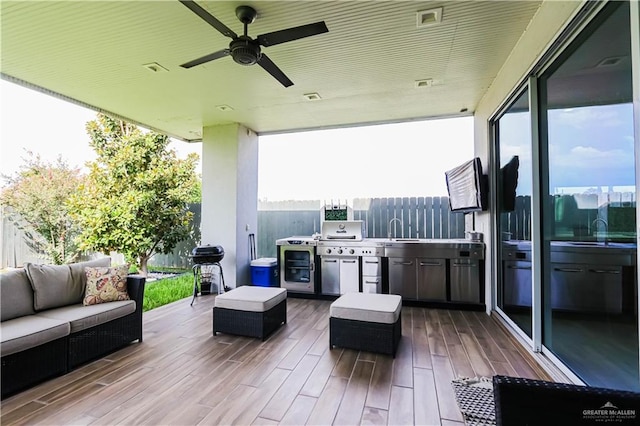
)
(401, 226)
(606, 229)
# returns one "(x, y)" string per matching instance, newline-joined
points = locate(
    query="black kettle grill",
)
(207, 256)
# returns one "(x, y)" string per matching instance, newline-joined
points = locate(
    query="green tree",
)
(37, 199)
(135, 197)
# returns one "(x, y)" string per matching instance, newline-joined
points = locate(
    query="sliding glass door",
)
(513, 135)
(574, 273)
(589, 205)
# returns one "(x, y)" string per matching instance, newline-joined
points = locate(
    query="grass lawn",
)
(167, 290)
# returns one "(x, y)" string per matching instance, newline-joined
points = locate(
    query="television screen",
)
(509, 177)
(465, 186)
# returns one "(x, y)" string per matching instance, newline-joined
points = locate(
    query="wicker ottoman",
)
(250, 311)
(366, 322)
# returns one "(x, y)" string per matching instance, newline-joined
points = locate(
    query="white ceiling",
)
(364, 68)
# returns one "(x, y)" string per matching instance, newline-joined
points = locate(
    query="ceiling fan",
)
(246, 50)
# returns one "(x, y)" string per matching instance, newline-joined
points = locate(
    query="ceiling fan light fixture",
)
(244, 51)
(312, 96)
(426, 18)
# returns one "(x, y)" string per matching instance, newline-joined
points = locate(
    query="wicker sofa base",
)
(247, 323)
(365, 336)
(520, 401)
(32, 366)
(100, 340)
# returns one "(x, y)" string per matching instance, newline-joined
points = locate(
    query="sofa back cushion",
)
(60, 285)
(79, 277)
(52, 285)
(16, 295)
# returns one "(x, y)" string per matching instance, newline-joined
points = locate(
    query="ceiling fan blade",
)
(198, 10)
(273, 69)
(210, 57)
(291, 34)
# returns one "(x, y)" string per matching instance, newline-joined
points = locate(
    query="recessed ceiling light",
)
(155, 67)
(425, 18)
(224, 108)
(312, 96)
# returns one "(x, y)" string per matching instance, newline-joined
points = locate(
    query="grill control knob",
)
(339, 251)
(328, 251)
(351, 251)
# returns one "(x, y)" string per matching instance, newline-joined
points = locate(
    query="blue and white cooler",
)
(264, 272)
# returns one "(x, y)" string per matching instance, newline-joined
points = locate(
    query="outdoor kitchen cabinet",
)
(432, 279)
(402, 277)
(371, 274)
(418, 278)
(586, 288)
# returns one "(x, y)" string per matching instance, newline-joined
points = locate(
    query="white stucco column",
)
(230, 196)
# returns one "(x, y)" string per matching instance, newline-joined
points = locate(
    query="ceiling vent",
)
(610, 62)
(312, 96)
(155, 67)
(427, 18)
(428, 82)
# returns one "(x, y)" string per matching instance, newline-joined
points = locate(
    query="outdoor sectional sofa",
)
(46, 330)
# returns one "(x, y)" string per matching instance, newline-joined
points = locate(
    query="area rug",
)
(475, 400)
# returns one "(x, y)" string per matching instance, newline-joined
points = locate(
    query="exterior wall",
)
(229, 195)
(542, 30)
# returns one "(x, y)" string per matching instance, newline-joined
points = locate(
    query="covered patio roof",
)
(377, 63)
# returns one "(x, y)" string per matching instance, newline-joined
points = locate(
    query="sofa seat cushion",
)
(368, 307)
(16, 295)
(83, 317)
(251, 299)
(27, 332)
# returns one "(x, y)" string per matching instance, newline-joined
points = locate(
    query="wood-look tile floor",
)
(182, 375)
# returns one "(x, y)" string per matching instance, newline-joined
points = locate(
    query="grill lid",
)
(345, 230)
(207, 254)
(207, 250)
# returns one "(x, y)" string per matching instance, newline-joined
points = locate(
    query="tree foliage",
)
(135, 197)
(37, 197)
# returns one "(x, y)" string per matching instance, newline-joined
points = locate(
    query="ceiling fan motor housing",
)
(245, 51)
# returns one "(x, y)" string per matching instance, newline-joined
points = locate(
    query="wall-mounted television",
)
(467, 187)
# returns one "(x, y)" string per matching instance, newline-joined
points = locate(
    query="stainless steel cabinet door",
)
(517, 283)
(349, 276)
(402, 278)
(371, 266)
(432, 279)
(330, 275)
(465, 280)
(586, 288)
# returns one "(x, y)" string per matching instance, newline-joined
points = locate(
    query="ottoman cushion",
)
(250, 298)
(368, 307)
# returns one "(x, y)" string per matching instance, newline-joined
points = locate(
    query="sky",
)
(392, 160)
(45, 125)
